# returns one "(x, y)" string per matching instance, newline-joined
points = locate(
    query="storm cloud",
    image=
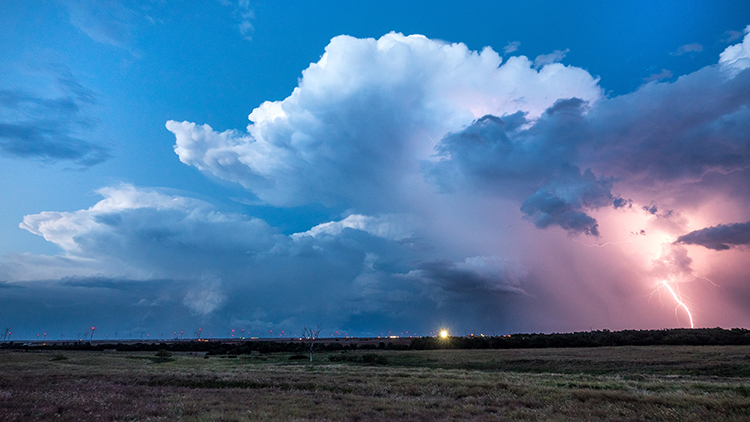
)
(172, 249)
(365, 115)
(467, 187)
(479, 273)
(719, 238)
(566, 159)
(656, 138)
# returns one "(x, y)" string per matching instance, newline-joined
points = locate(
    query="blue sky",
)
(370, 205)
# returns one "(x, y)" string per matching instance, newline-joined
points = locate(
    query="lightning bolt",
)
(706, 279)
(601, 245)
(680, 303)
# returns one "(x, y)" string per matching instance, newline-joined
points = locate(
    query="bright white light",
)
(443, 333)
(679, 301)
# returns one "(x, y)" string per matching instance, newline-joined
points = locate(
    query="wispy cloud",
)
(687, 48)
(664, 74)
(50, 129)
(550, 58)
(730, 36)
(244, 14)
(106, 22)
(511, 47)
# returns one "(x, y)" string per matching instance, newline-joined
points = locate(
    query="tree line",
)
(598, 338)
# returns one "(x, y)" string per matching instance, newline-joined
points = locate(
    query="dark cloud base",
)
(718, 238)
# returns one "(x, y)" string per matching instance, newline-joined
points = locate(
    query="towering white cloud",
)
(367, 112)
(737, 57)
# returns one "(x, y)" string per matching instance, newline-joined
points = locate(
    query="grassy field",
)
(685, 383)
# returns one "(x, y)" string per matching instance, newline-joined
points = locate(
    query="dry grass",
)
(617, 384)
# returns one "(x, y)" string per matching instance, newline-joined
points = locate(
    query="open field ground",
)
(659, 383)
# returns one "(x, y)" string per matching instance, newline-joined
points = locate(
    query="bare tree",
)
(311, 334)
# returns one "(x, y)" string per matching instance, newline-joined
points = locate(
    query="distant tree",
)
(163, 355)
(310, 335)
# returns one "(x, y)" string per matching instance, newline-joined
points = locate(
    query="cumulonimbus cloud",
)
(530, 162)
(377, 121)
(437, 154)
(660, 136)
(564, 148)
(365, 115)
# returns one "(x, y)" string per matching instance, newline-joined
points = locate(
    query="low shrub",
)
(163, 354)
(298, 357)
(369, 358)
